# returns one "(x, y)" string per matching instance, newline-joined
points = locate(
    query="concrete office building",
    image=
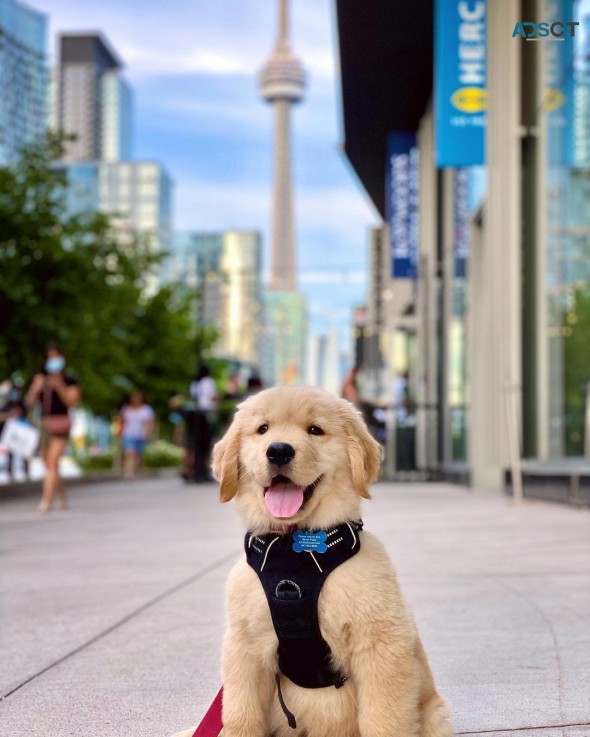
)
(282, 83)
(501, 279)
(23, 77)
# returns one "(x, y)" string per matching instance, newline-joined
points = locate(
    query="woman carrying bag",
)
(56, 392)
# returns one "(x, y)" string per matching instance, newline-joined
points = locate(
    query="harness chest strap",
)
(292, 576)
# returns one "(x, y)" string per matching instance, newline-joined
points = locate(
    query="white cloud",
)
(340, 210)
(341, 276)
(181, 37)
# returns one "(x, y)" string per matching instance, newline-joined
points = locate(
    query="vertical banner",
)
(402, 198)
(460, 95)
(559, 87)
(461, 222)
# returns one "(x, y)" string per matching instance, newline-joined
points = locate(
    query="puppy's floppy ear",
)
(226, 463)
(364, 452)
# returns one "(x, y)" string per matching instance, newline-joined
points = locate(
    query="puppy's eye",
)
(262, 429)
(315, 430)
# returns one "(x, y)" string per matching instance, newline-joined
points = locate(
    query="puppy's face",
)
(296, 456)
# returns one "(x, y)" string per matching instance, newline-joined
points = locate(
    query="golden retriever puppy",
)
(298, 461)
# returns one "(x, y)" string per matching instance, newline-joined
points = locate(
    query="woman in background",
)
(138, 426)
(56, 392)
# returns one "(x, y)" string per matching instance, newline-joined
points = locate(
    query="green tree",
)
(577, 369)
(69, 279)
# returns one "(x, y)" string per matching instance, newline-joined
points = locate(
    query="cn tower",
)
(282, 82)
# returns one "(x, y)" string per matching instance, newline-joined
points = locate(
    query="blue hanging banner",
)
(559, 88)
(460, 95)
(402, 199)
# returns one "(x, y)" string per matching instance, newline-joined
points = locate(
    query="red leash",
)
(211, 725)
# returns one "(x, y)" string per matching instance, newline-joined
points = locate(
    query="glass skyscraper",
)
(226, 270)
(116, 118)
(136, 194)
(23, 77)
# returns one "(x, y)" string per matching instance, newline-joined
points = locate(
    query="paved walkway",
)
(112, 612)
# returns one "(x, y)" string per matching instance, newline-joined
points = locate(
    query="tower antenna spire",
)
(283, 40)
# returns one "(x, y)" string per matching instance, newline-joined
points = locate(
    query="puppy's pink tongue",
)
(284, 499)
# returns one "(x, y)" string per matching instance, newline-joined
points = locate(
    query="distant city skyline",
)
(193, 70)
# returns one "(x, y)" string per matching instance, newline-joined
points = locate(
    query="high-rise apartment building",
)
(93, 100)
(23, 77)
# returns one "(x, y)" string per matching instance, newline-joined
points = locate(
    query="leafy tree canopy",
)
(70, 279)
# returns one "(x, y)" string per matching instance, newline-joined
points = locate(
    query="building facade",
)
(23, 77)
(498, 232)
(93, 102)
(136, 194)
(225, 269)
(116, 118)
(284, 338)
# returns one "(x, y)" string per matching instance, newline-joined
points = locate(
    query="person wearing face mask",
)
(55, 392)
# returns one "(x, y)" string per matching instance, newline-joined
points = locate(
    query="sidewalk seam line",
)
(499, 730)
(127, 618)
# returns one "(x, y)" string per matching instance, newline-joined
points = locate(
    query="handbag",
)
(59, 425)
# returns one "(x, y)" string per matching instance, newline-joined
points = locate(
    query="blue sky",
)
(193, 67)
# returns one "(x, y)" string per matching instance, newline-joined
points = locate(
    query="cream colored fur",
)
(363, 617)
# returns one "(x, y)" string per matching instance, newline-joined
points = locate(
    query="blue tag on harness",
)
(309, 542)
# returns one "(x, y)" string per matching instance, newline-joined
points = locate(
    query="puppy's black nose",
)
(280, 453)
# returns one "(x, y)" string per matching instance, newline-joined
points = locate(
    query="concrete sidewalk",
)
(112, 612)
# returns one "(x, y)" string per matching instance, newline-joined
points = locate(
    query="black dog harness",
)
(292, 568)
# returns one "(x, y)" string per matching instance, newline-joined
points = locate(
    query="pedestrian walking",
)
(183, 414)
(204, 392)
(401, 397)
(254, 386)
(55, 392)
(138, 425)
(350, 389)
